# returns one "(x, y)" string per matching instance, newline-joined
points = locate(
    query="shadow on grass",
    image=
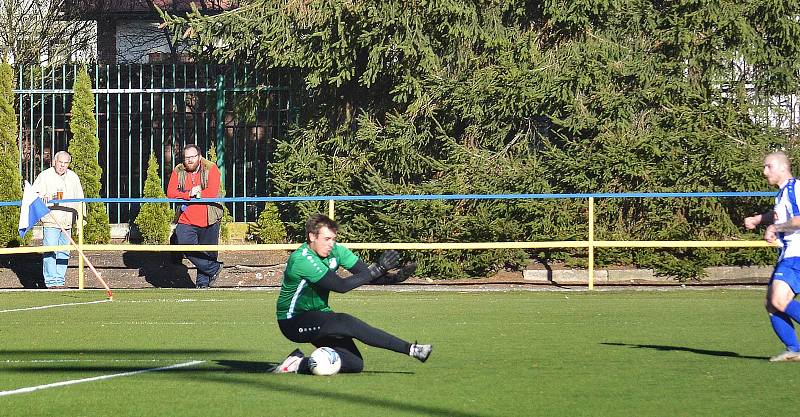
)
(380, 405)
(261, 367)
(8, 353)
(270, 382)
(665, 348)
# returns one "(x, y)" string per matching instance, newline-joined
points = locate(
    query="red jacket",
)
(195, 214)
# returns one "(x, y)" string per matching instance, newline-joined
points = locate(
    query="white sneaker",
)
(290, 364)
(787, 356)
(421, 352)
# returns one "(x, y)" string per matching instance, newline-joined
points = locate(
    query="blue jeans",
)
(205, 262)
(54, 264)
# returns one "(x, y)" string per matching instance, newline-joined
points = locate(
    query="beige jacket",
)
(49, 183)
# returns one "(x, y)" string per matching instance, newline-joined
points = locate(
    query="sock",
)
(793, 310)
(783, 327)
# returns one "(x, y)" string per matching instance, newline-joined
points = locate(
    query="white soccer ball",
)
(324, 361)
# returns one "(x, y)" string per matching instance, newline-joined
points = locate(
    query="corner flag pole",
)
(86, 259)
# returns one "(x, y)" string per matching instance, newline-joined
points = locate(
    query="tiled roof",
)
(142, 6)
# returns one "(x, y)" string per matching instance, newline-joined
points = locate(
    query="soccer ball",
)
(324, 361)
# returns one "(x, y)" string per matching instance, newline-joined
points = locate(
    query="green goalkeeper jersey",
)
(303, 269)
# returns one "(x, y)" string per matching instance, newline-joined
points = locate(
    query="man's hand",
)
(393, 278)
(405, 272)
(770, 234)
(752, 222)
(387, 261)
(195, 191)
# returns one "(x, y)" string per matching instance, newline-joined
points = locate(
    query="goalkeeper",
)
(304, 315)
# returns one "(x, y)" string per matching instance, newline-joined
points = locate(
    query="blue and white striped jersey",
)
(786, 207)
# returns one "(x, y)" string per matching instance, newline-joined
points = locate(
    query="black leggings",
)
(337, 330)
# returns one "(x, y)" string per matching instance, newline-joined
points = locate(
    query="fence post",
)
(330, 209)
(220, 128)
(591, 243)
(81, 273)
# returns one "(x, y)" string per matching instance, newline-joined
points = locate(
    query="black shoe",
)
(215, 276)
(202, 285)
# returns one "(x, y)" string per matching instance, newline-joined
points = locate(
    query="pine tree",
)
(10, 177)
(84, 147)
(154, 219)
(518, 97)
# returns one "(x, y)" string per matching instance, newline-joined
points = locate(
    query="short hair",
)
(316, 222)
(781, 158)
(193, 146)
(60, 153)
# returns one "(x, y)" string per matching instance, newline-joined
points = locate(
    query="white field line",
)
(95, 378)
(82, 360)
(52, 306)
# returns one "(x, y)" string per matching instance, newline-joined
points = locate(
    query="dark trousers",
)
(337, 331)
(205, 262)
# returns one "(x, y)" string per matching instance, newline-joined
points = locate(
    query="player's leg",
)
(345, 325)
(352, 361)
(780, 296)
(315, 326)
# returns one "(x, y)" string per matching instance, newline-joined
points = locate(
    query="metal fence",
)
(143, 109)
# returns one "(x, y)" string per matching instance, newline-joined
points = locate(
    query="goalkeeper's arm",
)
(362, 274)
(333, 282)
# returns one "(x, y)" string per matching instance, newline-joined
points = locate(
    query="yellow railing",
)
(590, 244)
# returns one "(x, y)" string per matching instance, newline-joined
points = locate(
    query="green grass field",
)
(678, 352)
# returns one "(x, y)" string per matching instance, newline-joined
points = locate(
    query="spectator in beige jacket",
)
(58, 183)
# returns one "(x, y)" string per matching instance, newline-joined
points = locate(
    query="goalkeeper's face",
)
(322, 242)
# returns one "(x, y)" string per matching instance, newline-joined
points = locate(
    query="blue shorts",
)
(788, 271)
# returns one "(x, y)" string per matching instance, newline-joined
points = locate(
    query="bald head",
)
(777, 168)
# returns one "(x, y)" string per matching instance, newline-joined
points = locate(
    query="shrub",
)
(154, 219)
(268, 228)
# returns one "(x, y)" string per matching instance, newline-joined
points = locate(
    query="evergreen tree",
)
(153, 220)
(268, 228)
(524, 97)
(10, 177)
(84, 147)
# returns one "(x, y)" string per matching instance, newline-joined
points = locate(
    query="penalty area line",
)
(53, 306)
(96, 378)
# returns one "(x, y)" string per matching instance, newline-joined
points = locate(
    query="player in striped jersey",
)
(783, 230)
(304, 315)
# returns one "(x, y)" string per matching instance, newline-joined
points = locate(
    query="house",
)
(128, 30)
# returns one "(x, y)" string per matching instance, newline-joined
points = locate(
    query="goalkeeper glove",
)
(403, 274)
(387, 261)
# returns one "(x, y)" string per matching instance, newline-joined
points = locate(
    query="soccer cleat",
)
(421, 352)
(787, 356)
(290, 364)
